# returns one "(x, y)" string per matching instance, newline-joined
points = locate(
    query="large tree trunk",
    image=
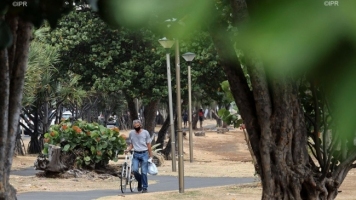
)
(150, 113)
(232, 67)
(162, 136)
(132, 108)
(195, 119)
(217, 118)
(13, 62)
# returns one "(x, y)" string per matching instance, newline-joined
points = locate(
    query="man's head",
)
(137, 124)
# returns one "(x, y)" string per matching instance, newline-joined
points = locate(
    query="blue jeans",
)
(140, 158)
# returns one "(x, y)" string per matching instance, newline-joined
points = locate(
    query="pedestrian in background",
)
(185, 119)
(201, 117)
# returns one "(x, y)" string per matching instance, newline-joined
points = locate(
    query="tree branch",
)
(348, 161)
(317, 125)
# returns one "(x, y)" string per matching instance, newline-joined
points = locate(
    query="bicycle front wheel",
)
(133, 183)
(124, 178)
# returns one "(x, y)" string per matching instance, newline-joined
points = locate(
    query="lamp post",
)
(167, 44)
(189, 58)
(179, 121)
(137, 110)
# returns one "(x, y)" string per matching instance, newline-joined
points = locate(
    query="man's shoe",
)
(139, 186)
(144, 191)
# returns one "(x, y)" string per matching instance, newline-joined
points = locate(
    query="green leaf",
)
(45, 151)
(225, 86)
(238, 123)
(103, 145)
(87, 158)
(93, 149)
(73, 145)
(66, 147)
(223, 113)
(102, 129)
(94, 134)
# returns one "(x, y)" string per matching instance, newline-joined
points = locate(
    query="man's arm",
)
(129, 148)
(149, 150)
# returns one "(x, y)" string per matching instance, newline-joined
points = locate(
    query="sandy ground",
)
(214, 155)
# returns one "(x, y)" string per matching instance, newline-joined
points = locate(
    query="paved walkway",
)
(164, 183)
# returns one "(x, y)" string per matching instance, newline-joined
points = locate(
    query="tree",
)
(127, 60)
(39, 92)
(286, 110)
(15, 33)
(44, 91)
(111, 60)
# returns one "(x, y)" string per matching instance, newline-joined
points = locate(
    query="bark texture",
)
(150, 113)
(161, 137)
(132, 108)
(13, 63)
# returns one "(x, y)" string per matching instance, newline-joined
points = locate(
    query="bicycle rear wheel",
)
(124, 178)
(133, 183)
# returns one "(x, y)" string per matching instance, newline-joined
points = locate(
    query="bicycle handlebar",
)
(131, 151)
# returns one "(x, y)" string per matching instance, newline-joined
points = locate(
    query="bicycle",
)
(127, 176)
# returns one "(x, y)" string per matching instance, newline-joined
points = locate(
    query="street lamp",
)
(167, 44)
(179, 121)
(189, 58)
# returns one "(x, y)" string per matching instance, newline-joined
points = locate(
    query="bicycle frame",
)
(128, 160)
(127, 177)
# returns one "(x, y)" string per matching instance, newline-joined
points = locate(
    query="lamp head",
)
(188, 56)
(167, 44)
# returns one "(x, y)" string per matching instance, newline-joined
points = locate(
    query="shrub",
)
(92, 144)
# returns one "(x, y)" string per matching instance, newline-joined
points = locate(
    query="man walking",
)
(140, 141)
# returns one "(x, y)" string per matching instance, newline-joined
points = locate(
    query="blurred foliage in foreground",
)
(313, 40)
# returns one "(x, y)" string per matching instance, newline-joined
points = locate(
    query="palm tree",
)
(44, 92)
(39, 90)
